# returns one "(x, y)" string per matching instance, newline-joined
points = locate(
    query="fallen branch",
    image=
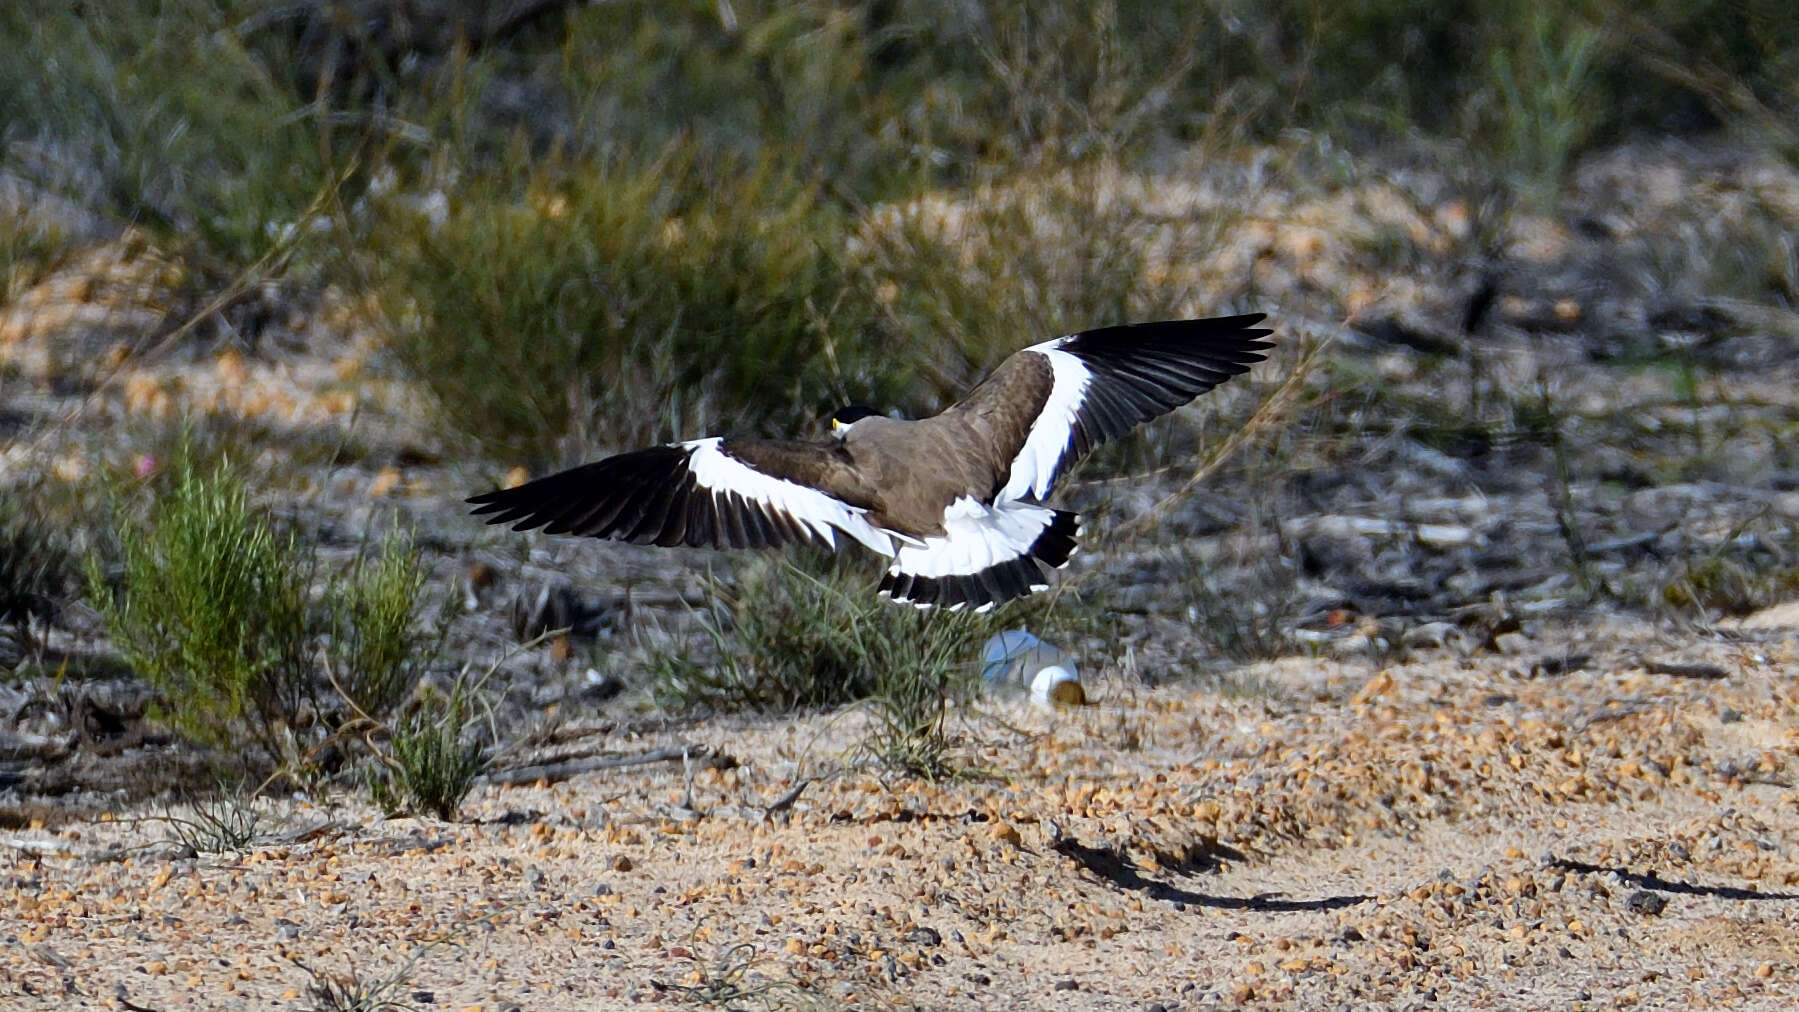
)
(39, 847)
(1685, 669)
(557, 771)
(785, 801)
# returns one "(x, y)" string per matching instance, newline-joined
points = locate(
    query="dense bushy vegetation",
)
(211, 607)
(212, 602)
(612, 218)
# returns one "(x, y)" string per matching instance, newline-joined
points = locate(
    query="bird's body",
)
(957, 500)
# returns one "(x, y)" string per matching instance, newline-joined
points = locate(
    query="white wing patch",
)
(716, 471)
(1034, 469)
(975, 538)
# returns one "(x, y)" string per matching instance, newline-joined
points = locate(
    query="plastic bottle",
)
(1017, 660)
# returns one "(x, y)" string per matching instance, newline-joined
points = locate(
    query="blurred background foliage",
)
(594, 224)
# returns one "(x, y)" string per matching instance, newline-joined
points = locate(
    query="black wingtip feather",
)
(1058, 541)
(570, 495)
(1144, 370)
(997, 584)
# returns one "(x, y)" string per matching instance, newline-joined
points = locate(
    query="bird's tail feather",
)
(985, 557)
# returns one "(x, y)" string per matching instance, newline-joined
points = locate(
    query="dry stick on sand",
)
(700, 755)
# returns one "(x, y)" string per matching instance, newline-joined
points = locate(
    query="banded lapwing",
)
(957, 500)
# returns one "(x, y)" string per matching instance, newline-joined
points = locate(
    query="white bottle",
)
(1017, 660)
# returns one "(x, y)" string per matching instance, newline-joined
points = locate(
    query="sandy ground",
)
(1479, 832)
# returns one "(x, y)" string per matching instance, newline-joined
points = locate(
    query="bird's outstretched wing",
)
(718, 493)
(1097, 385)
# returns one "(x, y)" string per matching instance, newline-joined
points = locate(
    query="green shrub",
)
(378, 649)
(785, 639)
(793, 80)
(184, 130)
(1741, 575)
(211, 604)
(433, 756)
(1013, 264)
(883, 99)
(211, 608)
(224, 819)
(27, 246)
(611, 304)
(1545, 113)
(1685, 64)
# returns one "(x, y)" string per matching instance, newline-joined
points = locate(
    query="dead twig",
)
(785, 801)
(556, 771)
(39, 847)
(1685, 669)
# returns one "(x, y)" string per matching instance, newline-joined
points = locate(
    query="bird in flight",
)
(956, 500)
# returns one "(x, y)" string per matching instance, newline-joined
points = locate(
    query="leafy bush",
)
(612, 304)
(885, 98)
(212, 610)
(26, 247)
(211, 604)
(433, 756)
(378, 649)
(181, 127)
(1543, 105)
(1013, 264)
(786, 639)
(760, 79)
(1690, 64)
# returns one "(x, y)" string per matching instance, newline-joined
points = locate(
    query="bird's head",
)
(843, 418)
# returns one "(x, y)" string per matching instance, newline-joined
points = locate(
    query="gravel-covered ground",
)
(1470, 832)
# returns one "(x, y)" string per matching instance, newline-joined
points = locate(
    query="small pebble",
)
(1649, 904)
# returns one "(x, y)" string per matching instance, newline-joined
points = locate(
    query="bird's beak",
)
(838, 428)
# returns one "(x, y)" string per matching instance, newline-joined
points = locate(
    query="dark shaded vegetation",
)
(622, 305)
(36, 567)
(612, 218)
